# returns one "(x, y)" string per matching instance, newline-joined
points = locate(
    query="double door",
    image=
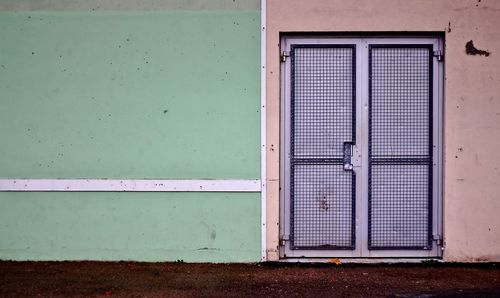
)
(361, 147)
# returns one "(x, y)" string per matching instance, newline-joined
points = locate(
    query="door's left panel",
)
(319, 135)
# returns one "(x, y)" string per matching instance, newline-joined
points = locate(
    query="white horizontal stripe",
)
(129, 185)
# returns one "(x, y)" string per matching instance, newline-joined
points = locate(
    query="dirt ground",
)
(129, 279)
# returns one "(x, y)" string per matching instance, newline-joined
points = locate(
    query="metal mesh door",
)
(400, 147)
(322, 120)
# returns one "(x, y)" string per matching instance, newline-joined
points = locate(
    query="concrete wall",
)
(193, 227)
(114, 94)
(113, 89)
(472, 104)
(110, 89)
(134, 5)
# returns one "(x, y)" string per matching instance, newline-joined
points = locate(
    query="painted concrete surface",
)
(472, 104)
(194, 227)
(130, 95)
(168, 94)
(95, 5)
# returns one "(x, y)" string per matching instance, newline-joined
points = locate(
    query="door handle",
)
(348, 146)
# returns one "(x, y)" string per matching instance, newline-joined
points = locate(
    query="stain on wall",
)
(470, 49)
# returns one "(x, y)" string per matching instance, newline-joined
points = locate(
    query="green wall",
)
(130, 95)
(130, 226)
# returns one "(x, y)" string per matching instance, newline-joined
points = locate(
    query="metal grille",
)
(322, 119)
(322, 205)
(400, 147)
(399, 206)
(323, 98)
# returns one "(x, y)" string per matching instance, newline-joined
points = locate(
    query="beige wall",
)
(471, 100)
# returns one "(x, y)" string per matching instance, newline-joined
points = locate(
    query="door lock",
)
(348, 147)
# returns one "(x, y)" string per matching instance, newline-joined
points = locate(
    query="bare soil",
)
(130, 279)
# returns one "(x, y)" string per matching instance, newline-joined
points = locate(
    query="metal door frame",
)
(360, 156)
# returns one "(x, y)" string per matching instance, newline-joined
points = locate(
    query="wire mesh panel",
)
(400, 147)
(399, 207)
(323, 101)
(322, 120)
(322, 205)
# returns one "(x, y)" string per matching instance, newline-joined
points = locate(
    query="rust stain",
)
(323, 204)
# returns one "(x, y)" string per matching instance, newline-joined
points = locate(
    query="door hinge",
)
(439, 55)
(284, 239)
(284, 54)
(438, 238)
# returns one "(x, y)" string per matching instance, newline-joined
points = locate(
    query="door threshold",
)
(361, 260)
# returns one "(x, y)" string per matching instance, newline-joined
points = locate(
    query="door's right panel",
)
(400, 159)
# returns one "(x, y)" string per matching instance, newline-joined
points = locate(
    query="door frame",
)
(360, 154)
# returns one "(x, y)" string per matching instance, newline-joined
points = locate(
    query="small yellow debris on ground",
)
(334, 261)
